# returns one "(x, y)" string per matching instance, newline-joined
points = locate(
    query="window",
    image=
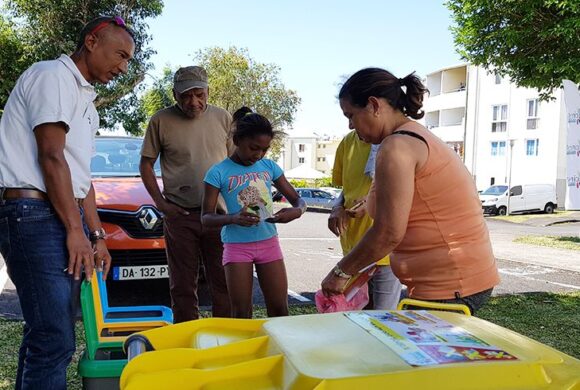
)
(533, 120)
(300, 160)
(323, 158)
(319, 146)
(301, 147)
(321, 194)
(499, 118)
(498, 148)
(516, 190)
(319, 159)
(324, 146)
(497, 78)
(532, 147)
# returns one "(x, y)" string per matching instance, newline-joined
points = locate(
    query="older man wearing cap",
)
(190, 137)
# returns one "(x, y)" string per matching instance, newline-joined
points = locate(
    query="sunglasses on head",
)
(116, 20)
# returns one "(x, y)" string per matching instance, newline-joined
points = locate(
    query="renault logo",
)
(148, 218)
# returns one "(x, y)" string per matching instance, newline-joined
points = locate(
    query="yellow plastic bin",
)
(404, 349)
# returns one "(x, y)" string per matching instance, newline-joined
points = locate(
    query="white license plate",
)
(141, 272)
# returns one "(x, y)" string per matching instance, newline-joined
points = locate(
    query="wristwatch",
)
(98, 234)
(340, 273)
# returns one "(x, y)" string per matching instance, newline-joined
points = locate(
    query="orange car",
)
(133, 224)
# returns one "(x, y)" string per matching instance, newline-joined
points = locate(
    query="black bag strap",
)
(411, 134)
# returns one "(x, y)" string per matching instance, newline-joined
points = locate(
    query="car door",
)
(532, 197)
(516, 200)
(323, 199)
(307, 196)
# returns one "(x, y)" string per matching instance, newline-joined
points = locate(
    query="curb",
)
(562, 222)
(531, 223)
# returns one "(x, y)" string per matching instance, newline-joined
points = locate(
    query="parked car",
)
(133, 224)
(315, 197)
(523, 198)
(332, 190)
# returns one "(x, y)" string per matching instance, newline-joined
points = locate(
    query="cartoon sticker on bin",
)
(256, 198)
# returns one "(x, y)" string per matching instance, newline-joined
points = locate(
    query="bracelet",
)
(98, 234)
(340, 273)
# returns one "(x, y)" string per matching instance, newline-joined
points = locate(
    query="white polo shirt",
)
(48, 92)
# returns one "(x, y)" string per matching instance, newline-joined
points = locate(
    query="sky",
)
(316, 43)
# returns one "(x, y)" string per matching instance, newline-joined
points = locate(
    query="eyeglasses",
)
(117, 20)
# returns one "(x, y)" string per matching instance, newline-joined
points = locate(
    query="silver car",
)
(315, 197)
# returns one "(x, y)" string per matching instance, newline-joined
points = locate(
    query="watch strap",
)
(98, 234)
(340, 273)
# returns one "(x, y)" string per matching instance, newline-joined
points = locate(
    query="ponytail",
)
(413, 93)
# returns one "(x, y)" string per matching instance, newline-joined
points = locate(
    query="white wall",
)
(434, 83)
(525, 169)
(291, 155)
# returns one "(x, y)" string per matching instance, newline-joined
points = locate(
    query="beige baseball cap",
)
(189, 77)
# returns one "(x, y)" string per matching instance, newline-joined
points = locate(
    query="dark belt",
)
(27, 193)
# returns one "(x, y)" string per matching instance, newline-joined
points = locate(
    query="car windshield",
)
(495, 190)
(118, 157)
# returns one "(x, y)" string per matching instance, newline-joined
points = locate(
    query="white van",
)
(524, 198)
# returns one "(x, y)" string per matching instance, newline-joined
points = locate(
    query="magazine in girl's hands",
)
(256, 198)
(262, 211)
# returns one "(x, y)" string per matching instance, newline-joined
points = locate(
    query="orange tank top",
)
(446, 250)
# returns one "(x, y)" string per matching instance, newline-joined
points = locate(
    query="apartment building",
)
(299, 149)
(309, 149)
(502, 132)
(325, 153)
(446, 104)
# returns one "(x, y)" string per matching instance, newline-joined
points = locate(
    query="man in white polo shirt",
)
(47, 201)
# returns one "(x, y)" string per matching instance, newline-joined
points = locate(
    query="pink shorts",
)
(259, 252)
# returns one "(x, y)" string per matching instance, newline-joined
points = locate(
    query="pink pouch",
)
(340, 303)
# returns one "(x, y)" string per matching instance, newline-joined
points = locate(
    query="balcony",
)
(446, 100)
(449, 133)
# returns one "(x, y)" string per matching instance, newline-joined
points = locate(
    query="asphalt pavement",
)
(311, 250)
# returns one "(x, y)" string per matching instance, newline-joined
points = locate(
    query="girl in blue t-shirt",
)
(249, 231)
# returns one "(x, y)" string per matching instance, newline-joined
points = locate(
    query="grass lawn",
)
(562, 242)
(553, 319)
(520, 218)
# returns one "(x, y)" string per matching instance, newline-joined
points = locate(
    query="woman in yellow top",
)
(350, 172)
(424, 202)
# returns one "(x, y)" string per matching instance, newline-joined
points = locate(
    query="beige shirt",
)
(188, 148)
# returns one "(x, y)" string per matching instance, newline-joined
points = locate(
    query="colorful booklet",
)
(256, 197)
(422, 339)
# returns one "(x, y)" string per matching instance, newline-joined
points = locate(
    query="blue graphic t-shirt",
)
(249, 186)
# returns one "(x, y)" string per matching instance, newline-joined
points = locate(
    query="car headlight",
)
(492, 200)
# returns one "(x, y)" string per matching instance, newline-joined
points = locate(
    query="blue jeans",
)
(33, 244)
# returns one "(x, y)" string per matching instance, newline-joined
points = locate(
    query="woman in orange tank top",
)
(423, 201)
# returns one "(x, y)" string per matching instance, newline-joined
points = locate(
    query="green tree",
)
(11, 52)
(160, 95)
(47, 28)
(235, 80)
(536, 43)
